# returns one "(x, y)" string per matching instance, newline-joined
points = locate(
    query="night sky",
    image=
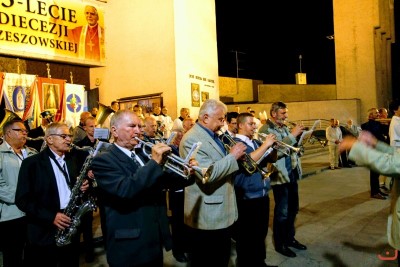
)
(270, 39)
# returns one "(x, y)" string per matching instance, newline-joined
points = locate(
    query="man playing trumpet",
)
(284, 181)
(131, 189)
(252, 197)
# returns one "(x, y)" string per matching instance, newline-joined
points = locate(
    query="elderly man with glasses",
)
(44, 190)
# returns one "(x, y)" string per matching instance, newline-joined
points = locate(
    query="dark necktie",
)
(66, 172)
(133, 156)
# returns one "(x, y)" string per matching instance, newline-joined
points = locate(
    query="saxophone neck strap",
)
(62, 169)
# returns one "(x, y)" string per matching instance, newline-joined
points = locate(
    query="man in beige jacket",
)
(382, 158)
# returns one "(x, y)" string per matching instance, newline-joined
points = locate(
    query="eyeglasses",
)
(20, 130)
(63, 136)
(221, 120)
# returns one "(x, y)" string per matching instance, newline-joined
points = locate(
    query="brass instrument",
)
(291, 123)
(176, 164)
(76, 207)
(39, 138)
(283, 147)
(8, 116)
(103, 113)
(248, 163)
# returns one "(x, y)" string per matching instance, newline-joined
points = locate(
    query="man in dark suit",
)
(131, 189)
(375, 128)
(44, 190)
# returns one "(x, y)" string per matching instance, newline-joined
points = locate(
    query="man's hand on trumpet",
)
(193, 162)
(269, 140)
(238, 150)
(159, 152)
(297, 130)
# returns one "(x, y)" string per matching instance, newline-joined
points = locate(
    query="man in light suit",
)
(12, 220)
(378, 156)
(130, 186)
(210, 205)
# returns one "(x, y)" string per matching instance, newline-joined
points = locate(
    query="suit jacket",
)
(384, 160)
(37, 193)
(212, 205)
(374, 127)
(135, 208)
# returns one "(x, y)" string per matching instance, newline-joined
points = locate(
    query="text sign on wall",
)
(71, 31)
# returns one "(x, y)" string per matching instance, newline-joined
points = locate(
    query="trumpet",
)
(249, 164)
(291, 123)
(283, 147)
(176, 164)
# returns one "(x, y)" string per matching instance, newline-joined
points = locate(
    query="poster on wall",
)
(205, 96)
(195, 94)
(69, 31)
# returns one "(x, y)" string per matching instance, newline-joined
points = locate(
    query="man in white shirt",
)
(167, 121)
(334, 137)
(185, 112)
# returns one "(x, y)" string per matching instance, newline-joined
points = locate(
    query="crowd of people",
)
(216, 196)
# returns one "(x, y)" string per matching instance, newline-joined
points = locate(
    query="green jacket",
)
(280, 175)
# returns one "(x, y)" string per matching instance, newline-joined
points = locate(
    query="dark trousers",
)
(12, 241)
(374, 182)
(86, 228)
(211, 248)
(286, 198)
(102, 213)
(178, 228)
(52, 256)
(252, 229)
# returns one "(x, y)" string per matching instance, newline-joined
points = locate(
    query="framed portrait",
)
(195, 94)
(205, 96)
(51, 93)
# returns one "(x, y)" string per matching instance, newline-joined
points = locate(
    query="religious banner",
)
(67, 31)
(75, 94)
(52, 96)
(19, 91)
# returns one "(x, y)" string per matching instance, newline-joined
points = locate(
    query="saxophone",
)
(77, 207)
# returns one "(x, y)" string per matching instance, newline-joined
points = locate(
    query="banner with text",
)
(69, 31)
(75, 94)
